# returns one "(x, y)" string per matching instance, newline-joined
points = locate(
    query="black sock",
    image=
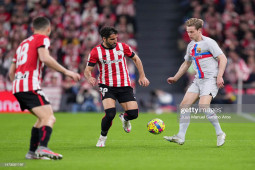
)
(104, 133)
(34, 141)
(131, 114)
(45, 132)
(107, 120)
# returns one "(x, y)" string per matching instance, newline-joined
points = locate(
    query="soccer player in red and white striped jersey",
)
(25, 72)
(113, 80)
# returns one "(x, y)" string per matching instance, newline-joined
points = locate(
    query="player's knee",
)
(110, 113)
(132, 114)
(52, 119)
(184, 104)
(37, 123)
(48, 120)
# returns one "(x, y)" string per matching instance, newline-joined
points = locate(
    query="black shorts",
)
(31, 99)
(122, 94)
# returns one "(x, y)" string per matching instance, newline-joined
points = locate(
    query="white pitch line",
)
(248, 116)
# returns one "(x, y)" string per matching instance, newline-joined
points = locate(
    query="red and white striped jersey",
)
(28, 65)
(112, 64)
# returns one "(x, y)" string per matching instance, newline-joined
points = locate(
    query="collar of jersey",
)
(106, 48)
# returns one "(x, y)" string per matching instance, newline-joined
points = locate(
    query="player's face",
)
(193, 33)
(111, 41)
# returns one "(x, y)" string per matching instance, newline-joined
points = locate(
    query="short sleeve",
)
(46, 42)
(93, 57)
(127, 50)
(214, 48)
(187, 56)
(43, 41)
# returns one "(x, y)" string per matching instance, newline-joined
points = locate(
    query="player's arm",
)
(143, 81)
(88, 75)
(183, 69)
(12, 71)
(45, 57)
(222, 66)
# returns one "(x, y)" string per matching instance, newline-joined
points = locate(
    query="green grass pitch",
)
(75, 136)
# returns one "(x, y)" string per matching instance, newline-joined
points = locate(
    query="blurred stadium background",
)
(153, 28)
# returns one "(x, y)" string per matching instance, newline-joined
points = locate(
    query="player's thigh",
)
(189, 99)
(205, 100)
(43, 112)
(130, 105)
(109, 103)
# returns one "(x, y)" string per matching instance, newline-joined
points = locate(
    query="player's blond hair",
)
(198, 23)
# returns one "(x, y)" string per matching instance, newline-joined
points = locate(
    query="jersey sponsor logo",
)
(198, 50)
(120, 53)
(110, 62)
(19, 75)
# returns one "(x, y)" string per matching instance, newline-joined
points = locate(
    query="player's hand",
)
(73, 75)
(143, 81)
(220, 82)
(171, 80)
(92, 81)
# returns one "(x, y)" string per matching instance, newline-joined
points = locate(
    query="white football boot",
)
(126, 124)
(101, 141)
(221, 139)
(32, 155)
(175, 139)
(42, 151)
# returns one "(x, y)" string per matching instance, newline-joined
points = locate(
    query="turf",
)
(75, 137)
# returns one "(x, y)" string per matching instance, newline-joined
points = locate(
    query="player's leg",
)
(34, 141)
(204, 104)
(110, 112)
(128, 102)
(38, 105)
(189, 99)
(209, 90)
(131, 112)
(46, 121)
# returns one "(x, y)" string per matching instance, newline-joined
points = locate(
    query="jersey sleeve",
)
(187, 56)
(43, 41)
(128, 51)
(93, 58)
(14, 59)
(214, 48)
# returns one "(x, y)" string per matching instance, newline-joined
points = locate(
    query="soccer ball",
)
(156, 126)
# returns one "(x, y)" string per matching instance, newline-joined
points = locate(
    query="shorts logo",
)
(103, 90)
(42, 94)
(198, 50)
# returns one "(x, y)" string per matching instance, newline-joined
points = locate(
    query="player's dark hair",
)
(40, 23)
(107, 32)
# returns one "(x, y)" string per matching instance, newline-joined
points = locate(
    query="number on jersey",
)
(22, 54)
